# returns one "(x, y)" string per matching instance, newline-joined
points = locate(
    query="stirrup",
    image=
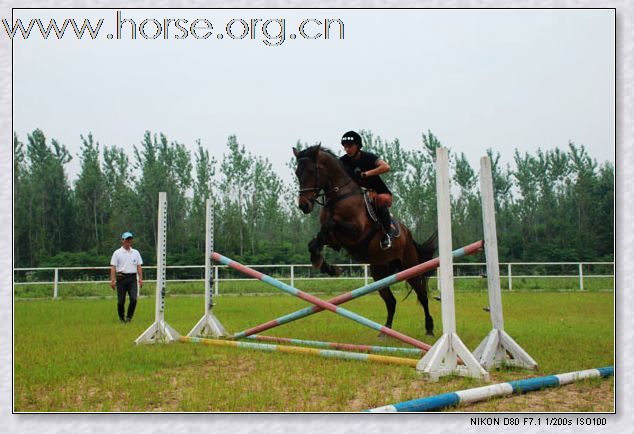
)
(386, 242)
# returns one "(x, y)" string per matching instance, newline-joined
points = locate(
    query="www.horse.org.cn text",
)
(272, 32)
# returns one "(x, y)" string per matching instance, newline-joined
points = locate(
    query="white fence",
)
(461, 271)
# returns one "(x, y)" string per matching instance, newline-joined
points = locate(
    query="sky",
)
(477, 79)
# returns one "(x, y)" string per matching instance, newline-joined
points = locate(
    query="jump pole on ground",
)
(500, 390)
(338, 345)
(332, 354)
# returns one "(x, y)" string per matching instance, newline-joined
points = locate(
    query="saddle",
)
(369, 197)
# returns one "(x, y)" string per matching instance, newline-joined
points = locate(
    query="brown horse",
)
(345, 223)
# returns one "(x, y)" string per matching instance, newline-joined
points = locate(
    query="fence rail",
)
(461, 271)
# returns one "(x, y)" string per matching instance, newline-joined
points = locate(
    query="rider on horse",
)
(365, 168)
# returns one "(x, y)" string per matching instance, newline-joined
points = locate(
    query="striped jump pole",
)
(338, 346)
(318, 302)
(469, 396)
(333, 354)
(367, 289)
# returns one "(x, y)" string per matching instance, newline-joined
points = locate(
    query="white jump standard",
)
(209, 325)
(498, 348)
(442, 358)
(160, 331)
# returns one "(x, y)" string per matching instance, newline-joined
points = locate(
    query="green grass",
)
(74, 355)
(321, 286)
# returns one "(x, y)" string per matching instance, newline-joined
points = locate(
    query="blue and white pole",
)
(469, 396)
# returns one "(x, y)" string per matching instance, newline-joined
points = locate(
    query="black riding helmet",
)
(352, 138)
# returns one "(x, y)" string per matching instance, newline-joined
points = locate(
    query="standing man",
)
(365, 168)
(125, 265)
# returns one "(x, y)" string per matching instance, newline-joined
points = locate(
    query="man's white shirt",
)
(126, 261)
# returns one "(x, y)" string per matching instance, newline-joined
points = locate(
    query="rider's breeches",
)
(383, 199)
(383, 204)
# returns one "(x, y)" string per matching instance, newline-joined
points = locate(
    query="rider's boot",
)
(383, 212)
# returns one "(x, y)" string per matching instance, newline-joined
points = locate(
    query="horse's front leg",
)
(316, 247)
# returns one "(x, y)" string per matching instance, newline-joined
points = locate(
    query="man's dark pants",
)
(126, 285)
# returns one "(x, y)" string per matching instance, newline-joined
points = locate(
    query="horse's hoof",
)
(430, 333)
(330, 270)
(326, 268)
(382, 336)
(436, 298)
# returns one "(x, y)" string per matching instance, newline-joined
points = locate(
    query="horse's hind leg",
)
(315, 247)
(390, 305)
(420, 287)
(386, 294)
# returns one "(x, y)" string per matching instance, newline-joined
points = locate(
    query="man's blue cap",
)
(126, 235)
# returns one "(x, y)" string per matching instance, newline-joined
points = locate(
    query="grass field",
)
(74, 355)
(323, 286)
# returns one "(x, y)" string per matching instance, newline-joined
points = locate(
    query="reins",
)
(321, 198)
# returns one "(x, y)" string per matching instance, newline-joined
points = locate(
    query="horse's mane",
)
(311, 152)
(329, 152)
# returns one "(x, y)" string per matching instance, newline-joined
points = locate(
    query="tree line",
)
(552, 205)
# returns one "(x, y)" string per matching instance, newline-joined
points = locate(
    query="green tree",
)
(21, 201)
(91, 207)
(509, 237)
(203, 188)
(49, 215)
(603, 216)
(121, 212)
(466, 209)
(235, 188)
(581, 203)
(164, 166)
(264, 217)
(502, 180)
(553, 205)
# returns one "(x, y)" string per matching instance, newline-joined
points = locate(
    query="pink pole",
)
(367, 289)
(318, 302)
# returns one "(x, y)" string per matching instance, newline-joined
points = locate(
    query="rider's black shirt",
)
(366, 161)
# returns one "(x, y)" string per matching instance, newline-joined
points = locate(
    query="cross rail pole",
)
(318, 302)
(367, 289)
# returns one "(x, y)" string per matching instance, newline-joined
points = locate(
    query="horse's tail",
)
(427, 249)
(425, 252)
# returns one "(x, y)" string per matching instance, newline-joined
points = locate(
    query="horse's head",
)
(307, 173)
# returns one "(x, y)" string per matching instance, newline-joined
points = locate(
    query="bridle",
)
(321, 198)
